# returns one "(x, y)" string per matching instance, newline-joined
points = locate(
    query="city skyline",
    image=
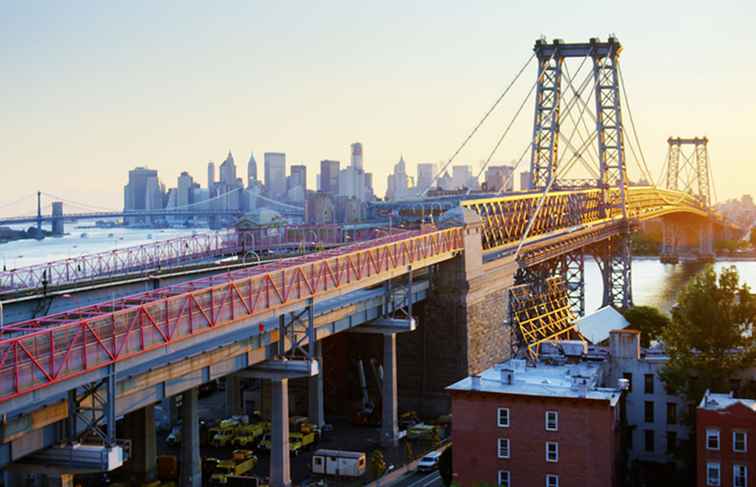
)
(117, 103)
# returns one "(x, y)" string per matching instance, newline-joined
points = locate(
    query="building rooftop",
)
(596, 326)
(715, 402)
(568, 380)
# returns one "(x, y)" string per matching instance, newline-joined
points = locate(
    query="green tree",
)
(648, 320)
(709, 338)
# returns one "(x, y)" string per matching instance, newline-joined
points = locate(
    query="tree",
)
(648, 320)
(377, 463)
(709, 338)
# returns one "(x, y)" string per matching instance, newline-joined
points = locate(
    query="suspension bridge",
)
(493, 276)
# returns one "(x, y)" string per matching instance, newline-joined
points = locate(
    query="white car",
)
(429, 462)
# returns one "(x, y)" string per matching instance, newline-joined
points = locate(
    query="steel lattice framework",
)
(689, 172)
(45, 351)
(542, 313)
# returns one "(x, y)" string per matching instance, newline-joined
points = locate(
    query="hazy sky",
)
(92, 89)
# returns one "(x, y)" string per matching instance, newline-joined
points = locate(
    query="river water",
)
(654, 283)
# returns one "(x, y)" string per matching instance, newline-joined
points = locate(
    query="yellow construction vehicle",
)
(241, 462)
(248, 434)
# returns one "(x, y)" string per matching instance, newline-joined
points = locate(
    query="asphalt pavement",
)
(420, 479)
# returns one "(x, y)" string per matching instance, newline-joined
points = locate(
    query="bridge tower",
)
(612, 178)
(688, 170)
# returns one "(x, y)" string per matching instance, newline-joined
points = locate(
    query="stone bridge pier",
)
(463, 325)
(686, 235)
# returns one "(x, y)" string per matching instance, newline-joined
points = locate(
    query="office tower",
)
(184, 189)
(369, 192)
(398, 182)
(500, 178)
(228, 170)
(425, 173)
(356, 161)
(296, 183)
(210, 176)
(462, 177)
(139, 191)
(525, 181)
(251, 171)
(275, 174)
(329, 176)
(352, 183)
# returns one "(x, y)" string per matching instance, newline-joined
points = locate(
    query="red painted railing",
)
(38, 353)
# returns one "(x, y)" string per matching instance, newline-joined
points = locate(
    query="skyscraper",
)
(296, 183)
(425, 173)
(462, 177)
(210, 176)
(398, 182)
(356, 161)
(135, 192)
(184, 187)
(275, 174)
(228, 170)
(499, 178)
(329, 176)
(251, 170)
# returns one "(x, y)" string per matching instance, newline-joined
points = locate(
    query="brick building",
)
(536, 424)
(725, 452)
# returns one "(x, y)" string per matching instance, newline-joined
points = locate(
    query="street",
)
(420, 479)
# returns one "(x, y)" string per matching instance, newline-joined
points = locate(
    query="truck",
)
(301, 441)
(339, 463)
(248, 434)
(223, 438)
(241, 462)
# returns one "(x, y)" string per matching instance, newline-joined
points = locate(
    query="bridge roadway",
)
(43, 358)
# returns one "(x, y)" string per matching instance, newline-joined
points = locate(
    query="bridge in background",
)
(494, 268)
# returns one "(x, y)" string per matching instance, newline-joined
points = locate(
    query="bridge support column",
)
(316, 410)
(233, 395)
(706, 240)
(279, 372)
(191, 465)
(57, 218)
(280, 469)
(669, 252)
(139, 427)
(390, 419)
(615, 261)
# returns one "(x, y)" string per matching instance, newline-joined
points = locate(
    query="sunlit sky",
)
(92, 89)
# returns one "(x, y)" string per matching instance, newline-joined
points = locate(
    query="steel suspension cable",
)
(479, 124)
(632, 123)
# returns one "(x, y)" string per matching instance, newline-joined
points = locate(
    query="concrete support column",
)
(173, 409)
(280, 469)
(706, 239)
(191, 466)
(233, 396)
(390, 422)
(315, 390)
(140, 429)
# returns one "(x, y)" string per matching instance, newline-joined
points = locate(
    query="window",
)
(502, 449)
(739, 476)
(648, 440)
(712, 474)
(552, 451)
(629, 377)
(502, 417)
(648, 383)
(552, 480)
(648, 411)
(712, 439)
(552, 421)
(504, 478)
(671, 441)
(671, 413)
(739, 441)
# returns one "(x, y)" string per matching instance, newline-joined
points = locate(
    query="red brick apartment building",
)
(519, 424)
(725, 450)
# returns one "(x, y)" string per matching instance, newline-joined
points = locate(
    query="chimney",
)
(475, 379)
(507, 376)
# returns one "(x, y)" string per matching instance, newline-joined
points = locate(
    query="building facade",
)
(275, 174)
(329, 176)
(536, 425)
(425, 173)
(655, 418)
(500, 178)
(725, 448)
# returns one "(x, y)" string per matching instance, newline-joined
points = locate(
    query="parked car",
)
(429, 462)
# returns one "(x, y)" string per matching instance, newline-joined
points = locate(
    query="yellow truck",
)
(241, 462)
(224, 438)
(222, 434)
(249, 433)
(301, 441)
